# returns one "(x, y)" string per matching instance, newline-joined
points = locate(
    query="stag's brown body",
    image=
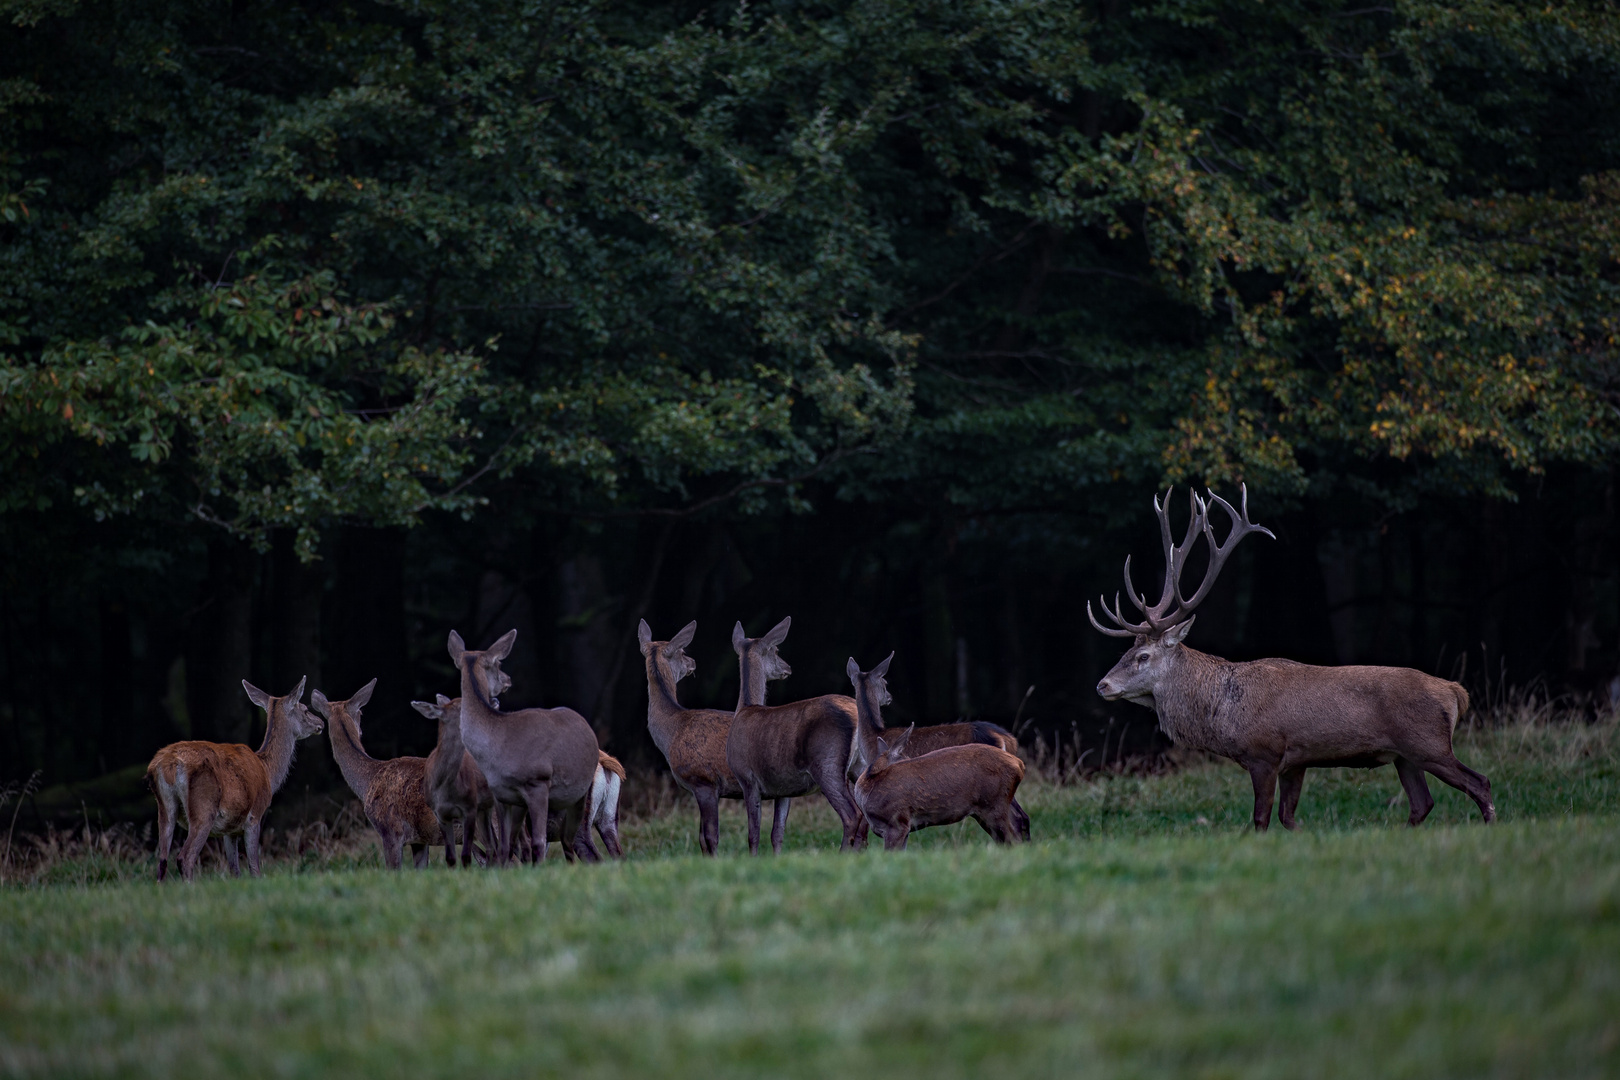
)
(693, 741)
(542, 761)
(453, 784)
(392, 792)
(224, 789)
(900, 794)
(1277, 718)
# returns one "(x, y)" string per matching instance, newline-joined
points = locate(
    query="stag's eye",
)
(1141, 658)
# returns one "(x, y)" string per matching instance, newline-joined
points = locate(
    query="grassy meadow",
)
(1145, 932)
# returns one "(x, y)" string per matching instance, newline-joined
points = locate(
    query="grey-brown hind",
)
(390, 792)
(901, 794)
(1277, 718)
(539, 760)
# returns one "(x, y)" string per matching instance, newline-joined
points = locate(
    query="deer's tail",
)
(1462, 705)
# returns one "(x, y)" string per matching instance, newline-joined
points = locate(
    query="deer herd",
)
(517, 780)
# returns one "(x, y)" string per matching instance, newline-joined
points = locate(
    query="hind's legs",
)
(229, 844)
(779, 825)
(1417, 791)
(751, 804)
(165, 836)
(1292, 783)
(1467, 781)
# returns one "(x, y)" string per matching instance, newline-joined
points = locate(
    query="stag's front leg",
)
(779, 825)
(1293, 782)
(1264, 776)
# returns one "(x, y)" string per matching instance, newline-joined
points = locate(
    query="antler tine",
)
(1218, 553)
(1130, 590)
(1107, 630)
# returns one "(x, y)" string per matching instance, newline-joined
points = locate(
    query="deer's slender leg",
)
(836, 790)
(1264, 776)
(1417, 791)
(470, 826)
(708, 800)
(576, 826)
(895, 838)
(1293, 782)
(165, 829)
(779, 825)
(751, 804)
(539, 797)
(419, 856)
(232, 860)
(1020, 821)
(1467, 781)
(447, 832)
(862, 828)
(250, 840)
(201, 806)
(607, 825)
(393, 849)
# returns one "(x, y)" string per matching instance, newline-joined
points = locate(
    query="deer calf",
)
(224, 789)
(1277, 718)
(900, 794)
(391, 792)
(453, 785)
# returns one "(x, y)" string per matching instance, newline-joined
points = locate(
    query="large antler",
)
(1172, 608)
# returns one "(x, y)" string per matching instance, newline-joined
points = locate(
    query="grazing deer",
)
(778, 752)
(540, 760)
(224, 789)
(693, 741)
(760, 662)
(1276, 718)
(391, 792)
(452, 783)
(901, 794)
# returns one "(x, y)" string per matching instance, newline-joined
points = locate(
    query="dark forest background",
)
(327, 328)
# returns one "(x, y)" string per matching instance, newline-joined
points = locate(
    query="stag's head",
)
(669, 655)
(1155, 640)
(289, 709)
(485, 666)
(334, 710)
(763, 649)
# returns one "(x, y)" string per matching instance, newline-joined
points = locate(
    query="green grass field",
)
(1146, 932)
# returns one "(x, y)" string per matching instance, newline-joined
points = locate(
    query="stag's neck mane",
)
(359, 768)
(663, 707)
(1189, 698)
(278, 747)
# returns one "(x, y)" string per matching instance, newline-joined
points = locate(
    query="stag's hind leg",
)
(1466, 780)
(1292, 783)
(1417, 791)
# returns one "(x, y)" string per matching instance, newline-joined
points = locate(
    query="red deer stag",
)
(693, 741)
(760, 662)
(901, 794)
(452, 783)
(391, 792)
(542, 761)
(1277, 718)
(224, 789)
(778, 752)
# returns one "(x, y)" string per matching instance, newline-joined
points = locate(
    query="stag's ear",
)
(853, 670)
(684, 638)
(503, 645)
(322, 706)
(363, 695)
(739, 637)
(255, 695)
(457, 647)
(1178, 633)
(778, 633)
(441, 700)
(643, 636)
(428, 709)
(882, 669)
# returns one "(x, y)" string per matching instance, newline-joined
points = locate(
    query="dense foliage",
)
(978, 273)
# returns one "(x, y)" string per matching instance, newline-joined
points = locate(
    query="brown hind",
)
(390, 792)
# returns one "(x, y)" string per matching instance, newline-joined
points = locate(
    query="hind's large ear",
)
(503, 645)
(900, 743)
(739, 637)
(883, 747)
(298, 691)
(362, 695)
(853, 670)
(255, 695)
(441, 700)
(428, 709)
(457, 647)
(643, 636)
(778, 633)
(882, 670)
(318, 701)
(684, 638)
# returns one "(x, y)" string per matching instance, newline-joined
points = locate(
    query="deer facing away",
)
(1277, 718)
(391, 792)
(224, 789)
(901, 794)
